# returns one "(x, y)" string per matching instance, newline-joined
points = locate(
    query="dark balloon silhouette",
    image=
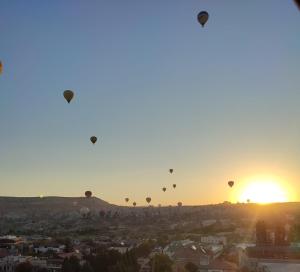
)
(202, 17)
(93, 139)
(148, 199)
(171, 171)
(164, 189)
(88, 194)
(174, 186)
(230, 183)
(126, 199)
(68, 95)
(179, 204)
(134, 204)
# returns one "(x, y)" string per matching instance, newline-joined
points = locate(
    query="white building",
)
(215, 240)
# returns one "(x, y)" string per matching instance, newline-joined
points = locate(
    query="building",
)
(271, 252)
(219, 266)
(215, 240)
(187, 251)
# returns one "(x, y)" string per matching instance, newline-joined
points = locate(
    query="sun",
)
(263, 192)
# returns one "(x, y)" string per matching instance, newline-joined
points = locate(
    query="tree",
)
(128, 263)
(71, 265)
(68, 245)
(191, 267)
(161, 262)
(24, 267)
(87, 267)
(42, 269)
(144, 249)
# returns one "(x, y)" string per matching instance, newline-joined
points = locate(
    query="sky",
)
(159, 91)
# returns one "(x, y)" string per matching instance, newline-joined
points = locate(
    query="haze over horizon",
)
(159, 91)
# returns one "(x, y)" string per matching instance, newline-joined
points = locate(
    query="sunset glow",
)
(263, 192)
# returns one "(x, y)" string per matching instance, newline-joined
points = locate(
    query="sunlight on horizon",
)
(263, 191)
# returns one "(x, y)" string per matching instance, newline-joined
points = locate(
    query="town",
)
(79, 234)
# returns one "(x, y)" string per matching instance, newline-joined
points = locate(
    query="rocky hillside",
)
(39, 206)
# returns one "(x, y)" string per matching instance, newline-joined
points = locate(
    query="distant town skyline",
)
(216, 103)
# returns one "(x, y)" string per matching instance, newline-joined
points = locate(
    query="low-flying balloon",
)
(126, 199)
(88, 194)
(148, 199)
(171, 171)
(134, 204)
(84, 211)
(164, 189)
(202, 17)
(230, 183)
(93, 139)
(179, 204)
(68, 95)
(174, 186)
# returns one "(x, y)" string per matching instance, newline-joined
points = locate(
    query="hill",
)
(28, 206)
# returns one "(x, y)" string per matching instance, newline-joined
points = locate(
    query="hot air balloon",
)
(88, 194)
(85, 212)
(202, 17)
(179, 204)
(1, 67)
(171, 171)
(126, 199)
(231, 183)
(93, 139)
(134, 204)
(164, 189)
(68, 95)
(148, 199)
(174, 186)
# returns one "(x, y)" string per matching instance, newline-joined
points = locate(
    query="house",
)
(187, 251)
(219, 266)
(214, 240)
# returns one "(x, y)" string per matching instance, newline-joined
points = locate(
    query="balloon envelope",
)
(68, 95)
(84, 211)
(134, 204)
(88, 194)
(202, 17)
(179, 204)
(93, 139)
(230, 183)
(164, 189)
(171, 171)
(174, 186)
(148, 199)
(126, 199)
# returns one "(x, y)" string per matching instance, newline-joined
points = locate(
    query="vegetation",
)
(161, 262)
(191, 267)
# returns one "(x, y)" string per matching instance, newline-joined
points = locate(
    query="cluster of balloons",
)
(174, 185)
(69, 95)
